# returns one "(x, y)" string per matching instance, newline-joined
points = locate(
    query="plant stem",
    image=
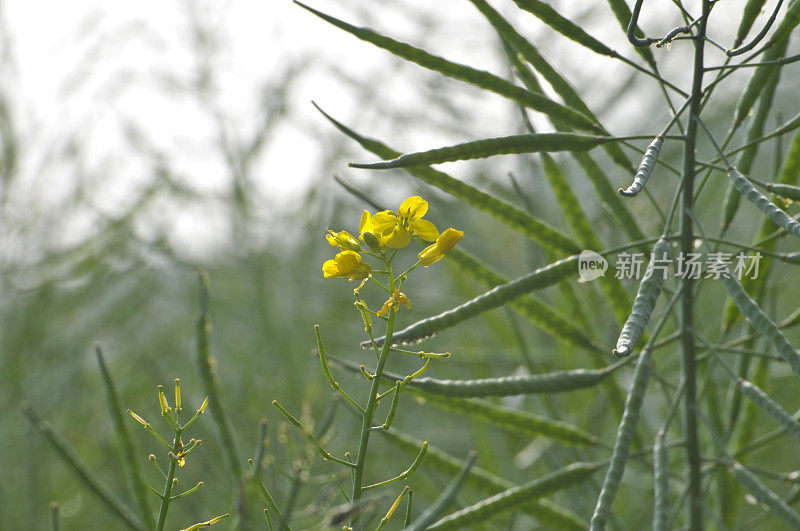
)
(165, 498)
(372, 402)
(688, 367)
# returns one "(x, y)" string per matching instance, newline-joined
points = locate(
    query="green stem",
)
(165, 498)
(369, 413)
(689, 371)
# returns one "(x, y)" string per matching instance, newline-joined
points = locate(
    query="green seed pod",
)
(468, 517)
(479, 78)
(645, 168)
(765, 495)
(546, 512)
(489, 147)
(759, 320)
(749, 15)
(510, 420)
(645, 301)
(764, 205)
(494, 298)
(770, 407)
(785, 190)
(661, 506)
(790, 21)
(622, 444)
(555, 382)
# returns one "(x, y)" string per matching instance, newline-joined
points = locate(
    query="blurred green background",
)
(122, 175)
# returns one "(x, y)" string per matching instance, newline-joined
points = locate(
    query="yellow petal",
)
(330, 269)
(413, 208)
(383, 222)
(448, 239)
(430, 255)
(398, 238)
(425, 230)
(366, 223)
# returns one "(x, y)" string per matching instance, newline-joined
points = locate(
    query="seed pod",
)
(749, 15)
(643, 304)
(494, 298)
(555, 382)
(489, 147)
(645, 168)
(535, 229)
(661, 506)
(739, 50)
(445, 498)
(468, 517)
(785, 190)
(760, 200)
(770, 407)
(507, 419)
(765, 495)
(623, 442)
(546, 512)
(759, 320)
(479, 78)
(790, 21)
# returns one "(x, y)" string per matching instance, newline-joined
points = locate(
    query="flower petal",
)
(448, 239)
(425, 230)
(366, 223)
(430, 255)
(384, 222)
(398, 238)
(413, 208)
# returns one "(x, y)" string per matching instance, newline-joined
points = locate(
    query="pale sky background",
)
(102, 89)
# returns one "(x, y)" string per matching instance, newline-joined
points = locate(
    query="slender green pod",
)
(623, 14)
(749, 15)
(81, 469)
(543, 315)
(584, 232)
(789, 21)
(532, 228)
(548, 514)
(645, 168)
(770, 407)
(494, 298)
(554, 382)
(661, 505)
(645, 301)
(479, 78)
(444, 499)
(489, 147)
(512, 498)
(739, 50)
(761, 201)
(788, 191)
(510, 420)
(765, 495)
(619, 457)
(759, 320)
(757, 84)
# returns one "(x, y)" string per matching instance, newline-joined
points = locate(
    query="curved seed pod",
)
(534, 309)
(507, 419)
(479, 78)
(645, 301)
(554, 382)
(661, 506)
(785, 190)
(764, 205)
(789, 21)
(538, 231)
(749, 15)
(623, 14)
(739, 50)
(765, 495)
(645, 168)
(759, 320)
(758, 83)
(770, 407)
(619, 457)
(470, 516)
(494, 298)
(564, 26)
(489, 147)
(549, 514)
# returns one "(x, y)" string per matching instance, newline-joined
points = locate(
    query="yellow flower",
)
(346, 264)
(395, 230)
(445, 242)
(397, 299)
(343, 240)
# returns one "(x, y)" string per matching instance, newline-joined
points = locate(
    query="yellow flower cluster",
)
(391, 230)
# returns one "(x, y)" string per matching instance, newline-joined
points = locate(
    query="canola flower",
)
(395, 230)
(433, 253)
(397, 299)
(347, 264)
